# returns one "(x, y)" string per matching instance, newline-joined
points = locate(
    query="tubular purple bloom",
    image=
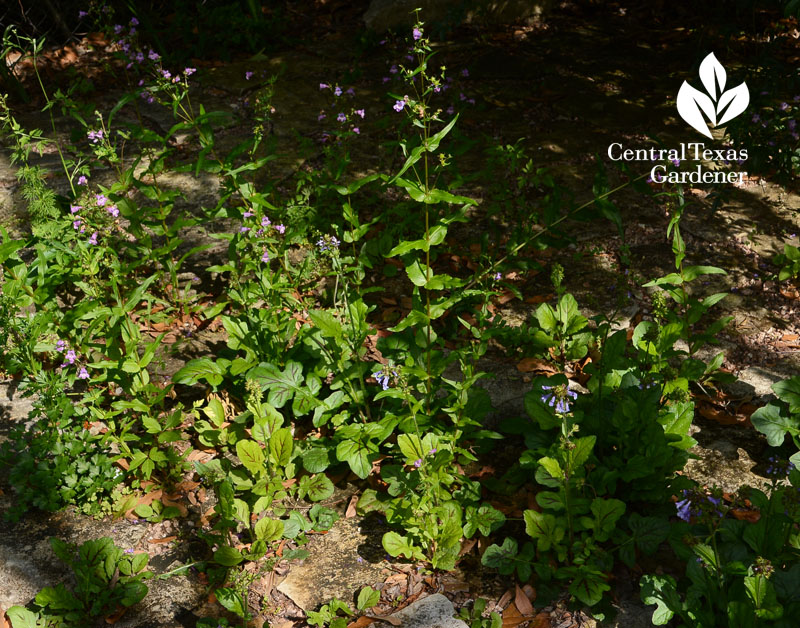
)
(265, 222)
(356, 130)
(244, 229)
(83, 373)
(76, 224)
(323, 86)
(265, 257)
(61, 346)
(93, 239)
(341, 117)
(418, 463)
(82, 180)
(360, 112)
(465, 72)
(70, 356)
(101, 199)
(684, 507)
(393, 69)
(153, 55)
(337, 91)
(74, 209)
(350, 91)
(498, 277)
(248, 75)
(280, 229)
(321, 117)
(189, 71)
(247, 214)
(416, 34)
(134, 22)
(112, 209)
(398, 105)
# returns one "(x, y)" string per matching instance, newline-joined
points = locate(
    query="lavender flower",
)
(337, 91)
(360, 112)
(83, 373)
(418, 463)
(280, 229)
(189, 71)
(341, 117)
(416, 34)
(101, 199)
(82, 180)
(398, 105)
(112, 209)
(74, 209)
(324, 86)
(265, 257)
(70, 356)
(93, 238)
(248, 76)
(95, 136)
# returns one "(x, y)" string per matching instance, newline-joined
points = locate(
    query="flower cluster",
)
(384, 375)
(350, 116)
(328, 243)
(778, 469)
(698, 503)
(559, 396)
(70, 358)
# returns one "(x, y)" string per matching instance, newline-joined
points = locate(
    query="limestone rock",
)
(434, 611)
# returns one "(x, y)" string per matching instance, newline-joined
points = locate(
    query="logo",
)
(692, 103)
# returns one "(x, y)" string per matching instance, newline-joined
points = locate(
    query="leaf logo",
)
(692, 103)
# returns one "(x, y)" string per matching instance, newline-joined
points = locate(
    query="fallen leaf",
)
(529, 365)
(512, 617)
(166, 539)
(395, 621)
(542, 620)
(522, 602)
(746, 515)
(351, 507)
(115, 617)
(505, 599)
(181, 508)
(361, 622)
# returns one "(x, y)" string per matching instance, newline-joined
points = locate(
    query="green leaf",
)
(281, 444)
(21, 617)
(228, 556)
(356, 456)
(579, 454)
(215, 412)
(396, 545)
(690, 273)
(367, 598)
(501, 557)
(326, 323)
(317, 487)
(251, 455)
(58, 598)
(648, 532)
(788, 390)
(546, 316)
(543, 528)
(588, 586)
(231, 600)
(316, 459)
(773, 423)
(200, 368)
(485, 518)
(606, 513)
(552, 466)
(662, 591)
(268, 529)
(283, 385)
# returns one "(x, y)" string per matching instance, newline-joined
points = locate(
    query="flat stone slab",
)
(334, 568)
(434, 611)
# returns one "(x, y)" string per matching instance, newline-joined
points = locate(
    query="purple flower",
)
(265, 257)
(265, 222)
(683, 507)
(465, 72)
(386, 79)
(498, 276)
(112, 209)
(166, 74)
(416, 34)
(321, 117)
(189, 71)
(82, 14)
(360, 112)
(76, 224)
(117, 29)
(248, 76)
(101, 199)
(129, 550)
(382, 378)
(82, 180)
(676, 162)
(83, 373)
(95, 136)
(61, 346)
(398, 105)
(784, 106)
(324, 86)
(134, 22)
(418, 463)
(93, 239)
(244, 229)
(756, 118)
(356, 130)
(280, 229)
(432, 451)
(791, 124)
(74, 209)
(450, 110)
(247, 214)
(153, 55)
(337, 91)
(393, 69)
(350, 91)
(341, 117)
(140, 57)
(70, 356)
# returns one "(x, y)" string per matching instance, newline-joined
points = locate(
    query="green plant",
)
(328, 615)
(474, 616)
(106, 578)
(789, 262)
(775, 420)
(739, 571)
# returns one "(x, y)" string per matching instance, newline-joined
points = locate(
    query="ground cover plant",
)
(317, 383)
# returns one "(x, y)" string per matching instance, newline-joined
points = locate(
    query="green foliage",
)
(106, 577)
